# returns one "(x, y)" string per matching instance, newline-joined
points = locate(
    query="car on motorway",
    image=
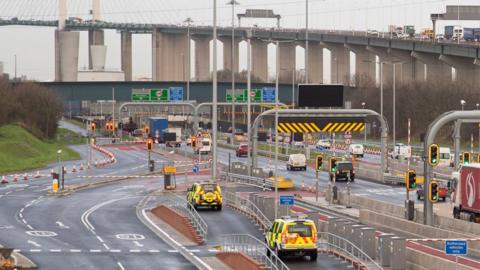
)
(205, 195)
(298, 144)
(242, 150)
(282, 182)
(356, 150)
(401, 151)
(297, 161)
(323, 144)
(443, 192)
(344, 171)
(292, 236)
(137, 132)
(372, 32)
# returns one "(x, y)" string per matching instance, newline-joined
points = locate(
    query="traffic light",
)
(149, 144)
(319, 163)
(466, 158)
(93, 126)
(108, 126)
(478, 158)
(433, 192)
(333, 164)
(433, 154)
(411, 180)
(194, 142)
(147, 129)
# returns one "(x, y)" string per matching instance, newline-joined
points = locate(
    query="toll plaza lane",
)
(386, 193)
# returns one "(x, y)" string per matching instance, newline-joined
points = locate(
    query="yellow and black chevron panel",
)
(318, 125)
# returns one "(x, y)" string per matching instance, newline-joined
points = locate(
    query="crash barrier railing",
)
(252, 247)
(248, 180)
(234, 200)
(189, 211)
(333, 243)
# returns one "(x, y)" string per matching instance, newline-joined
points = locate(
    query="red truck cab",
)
(467, 194)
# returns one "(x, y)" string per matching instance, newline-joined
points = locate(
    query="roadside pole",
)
(316, 184)
(186, 166)
(276, 129)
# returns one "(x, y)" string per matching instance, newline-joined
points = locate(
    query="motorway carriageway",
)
(89, 229)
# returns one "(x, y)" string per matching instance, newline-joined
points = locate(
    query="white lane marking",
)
(30, 227)
(100, 239)
(115, 250)
(75, 250)
(194, 250)
(41, 233)
(6, 193)
(137, 244)
(106, 247)
(87, 213)
(6, 227)
(172, 251)
(121, 266)
(35, 250)
(95, 250)
(130, 236)
(61, 225)
(55, 250)
(34, 243)
(24, 221)
(144, 213)
(153, 250)
(134, 250)
(20, 215)
(21, 210)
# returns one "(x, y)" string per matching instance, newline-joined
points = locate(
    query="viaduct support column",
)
(227, 54)
(365, 66)
(169, 56)
(435, 69)
(339, 64)
(66, 55)
(259, 60)
(126, 54)
(287, 62)
(95, 37)
(202, 58)
(315, 62)
(467, 69)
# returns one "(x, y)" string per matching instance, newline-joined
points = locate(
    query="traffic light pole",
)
(430, 135)
(316, 186)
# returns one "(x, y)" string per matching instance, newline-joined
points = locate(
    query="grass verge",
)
(20, 150)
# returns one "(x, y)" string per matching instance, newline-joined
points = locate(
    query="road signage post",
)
(268, 94)
(195, 169)
(456, 248)
(287, 201)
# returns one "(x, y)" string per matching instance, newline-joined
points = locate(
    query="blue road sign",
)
(268, 94)
(176, 93)
(287, 200)
(195, 169)
(456, 247)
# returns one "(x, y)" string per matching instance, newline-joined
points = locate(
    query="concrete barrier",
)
(417, 260)
(414, 230)
(177, 221)
(239, 261)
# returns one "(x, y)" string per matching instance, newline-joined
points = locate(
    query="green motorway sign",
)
(140, 95)
(159, 94)
(241, 95)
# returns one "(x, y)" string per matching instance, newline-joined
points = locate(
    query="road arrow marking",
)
(34, 243)
(137, 244)
(61, 225)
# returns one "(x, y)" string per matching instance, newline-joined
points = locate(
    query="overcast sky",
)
(35, 49)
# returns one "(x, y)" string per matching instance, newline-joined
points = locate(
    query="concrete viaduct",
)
(418, 60)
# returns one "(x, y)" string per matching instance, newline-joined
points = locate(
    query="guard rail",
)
(252, 247)
(248, 207)
(333, 242)
(248, 180)
(189, 211)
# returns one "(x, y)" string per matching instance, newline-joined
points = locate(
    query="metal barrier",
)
(332, 242)
(245, 205)
(189, 211)
(248, 180)
(252, 247)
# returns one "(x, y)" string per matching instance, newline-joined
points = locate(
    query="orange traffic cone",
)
(25, 177)
(37, 175)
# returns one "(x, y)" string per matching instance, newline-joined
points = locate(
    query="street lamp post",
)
(463, 102)
(293, 89)
(306, 41)
(275, 177)
(249, 86)
(233, 3)
(188, 21)
(59, 152)
(214, 94)
(365, 129)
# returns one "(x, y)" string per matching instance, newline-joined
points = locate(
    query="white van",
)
(356, 150)
(401, 150)
(297, 161)
(445, 157)
(204, 147)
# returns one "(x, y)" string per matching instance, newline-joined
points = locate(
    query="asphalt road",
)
(91, 229)
(360, 187)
